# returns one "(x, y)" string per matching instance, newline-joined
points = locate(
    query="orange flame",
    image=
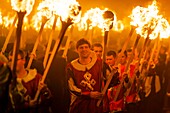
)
(145, 19)
(7, 20)
(162, 29)
(68, 9)
(148, 22)
(118, 26)
(49, 23)
(22, 5)
(0, 18)
(26, 24)
(94, 18)
(44, 11)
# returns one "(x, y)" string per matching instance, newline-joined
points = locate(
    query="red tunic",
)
(132, 94)
(27, 87)
(83, 80)
(117, 105)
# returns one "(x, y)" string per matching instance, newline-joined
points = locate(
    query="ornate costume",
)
(25, 91)
(117, 105)
(82, 80)
(5, 79)
(131, 97)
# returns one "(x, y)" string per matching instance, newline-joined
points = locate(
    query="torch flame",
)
(68, 9)
(7, 20)
(118, 26)
(0, 18)
(148, 22)
(26, 24)
(95, 18)
(22, 5)
(144, 18)
(44, 11)
(162, 28)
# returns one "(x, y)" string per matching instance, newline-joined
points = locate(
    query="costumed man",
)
(5, 80)
(84, 79)
(118, 106)
(110, 60)
(160, 68)
(98, 49)
(131, 92)
(151, 87)
(167, 85)
(27, 83)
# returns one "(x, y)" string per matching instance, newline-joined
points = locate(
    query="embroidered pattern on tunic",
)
(88, 82)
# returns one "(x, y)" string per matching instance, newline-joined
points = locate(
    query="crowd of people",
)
(74, 83)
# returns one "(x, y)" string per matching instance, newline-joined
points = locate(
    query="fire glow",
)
(149, 22)
(68, 9)
(22, 5)
(94, 18)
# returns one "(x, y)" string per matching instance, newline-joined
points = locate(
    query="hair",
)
(81, 42)
(113, 53)
(125, 52)
(97, 44)
(129, 50)
(164, 47)
(20, 52)
(72, 45)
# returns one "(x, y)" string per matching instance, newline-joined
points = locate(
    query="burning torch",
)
(46, 14)
(23, 7)
(108, 18)
(72, 12)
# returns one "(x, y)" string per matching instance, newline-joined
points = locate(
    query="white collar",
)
(30, 76)
(75, 63)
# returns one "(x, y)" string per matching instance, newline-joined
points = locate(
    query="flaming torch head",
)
(22, 5)
(108, 18)
(68, 10)
(74, 12)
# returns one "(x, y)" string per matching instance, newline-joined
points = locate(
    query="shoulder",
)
(32, 74)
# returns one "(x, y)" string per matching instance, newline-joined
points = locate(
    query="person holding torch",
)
(84, 76)
(27, 83)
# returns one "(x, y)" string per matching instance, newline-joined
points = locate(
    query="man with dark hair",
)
(5, 80)
(118, 105)
(81, 42)
(111, 58)
(129, 53)
(27, 83)
(84, 79)
(98, 49)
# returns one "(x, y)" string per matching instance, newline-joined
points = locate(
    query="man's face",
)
(123, 59)
(20, 63)
(84, 51)
(98, 51)
(110, 60)
(129, 54)
(162, 51)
